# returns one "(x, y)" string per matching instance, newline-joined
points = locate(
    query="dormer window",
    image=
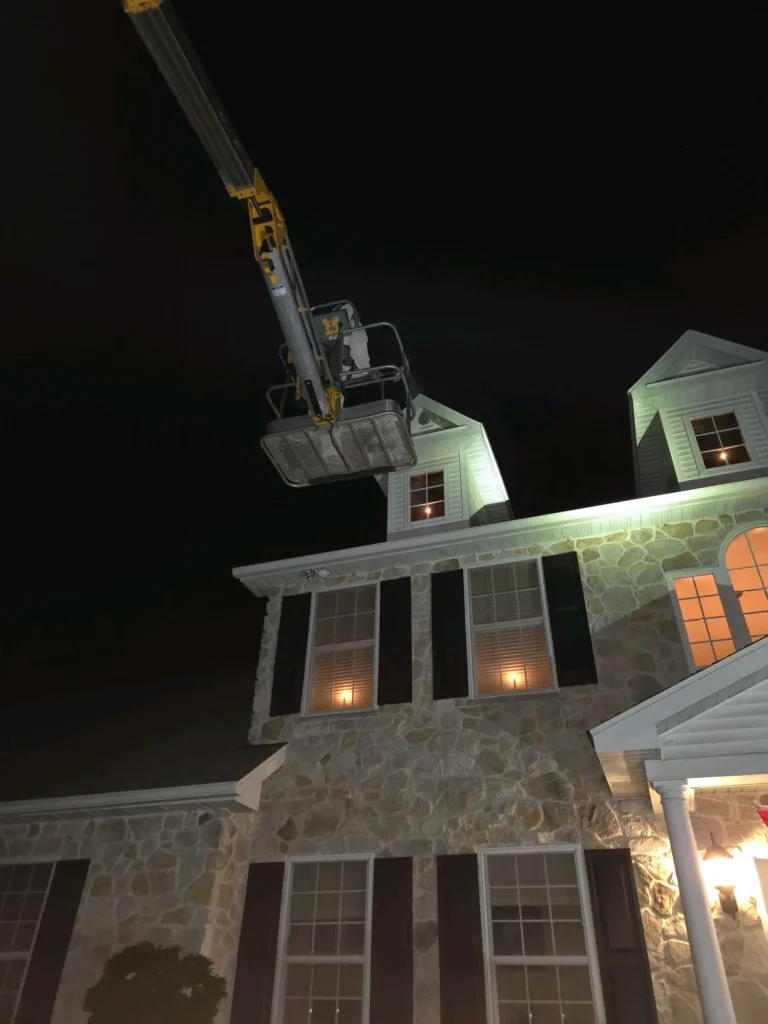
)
(720, 440)
(427, 496)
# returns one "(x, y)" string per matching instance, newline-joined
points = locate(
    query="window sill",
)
(477, 700)
(309, 716)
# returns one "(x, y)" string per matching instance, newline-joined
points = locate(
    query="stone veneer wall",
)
(452, 776)
(172, 879)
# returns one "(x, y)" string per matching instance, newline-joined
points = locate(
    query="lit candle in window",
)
(428, 511)
(345, 697)
(511, 680)
(724, 455)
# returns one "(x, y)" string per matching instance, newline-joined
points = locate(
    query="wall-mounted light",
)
(720, 871)
(311, 574)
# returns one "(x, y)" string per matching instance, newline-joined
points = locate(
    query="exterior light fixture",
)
(310, 574)
(720, 871)
(323, 573)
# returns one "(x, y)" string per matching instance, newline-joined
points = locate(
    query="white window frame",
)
(26, 957)
(717, 470)
(282, 935)
(310, 656)
(489, 958)
(470, 632)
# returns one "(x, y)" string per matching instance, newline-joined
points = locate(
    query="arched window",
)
(746, 559)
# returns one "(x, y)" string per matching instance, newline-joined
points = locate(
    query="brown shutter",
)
(449, 636)
(574, 657)
(395, 661)
(291, 655)
(462, 974)
(392, 941)
(52, 943)
(621, 951)
(257, 949)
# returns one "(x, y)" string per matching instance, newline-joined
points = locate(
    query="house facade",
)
(493, 764)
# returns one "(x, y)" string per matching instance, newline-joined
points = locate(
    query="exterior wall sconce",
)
(720, 871)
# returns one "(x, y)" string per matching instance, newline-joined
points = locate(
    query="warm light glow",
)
(511, 680)
(720, 871)
(724, 456)
(344, 698)
(428, 511)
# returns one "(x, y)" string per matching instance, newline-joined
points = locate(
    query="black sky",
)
(542, 205)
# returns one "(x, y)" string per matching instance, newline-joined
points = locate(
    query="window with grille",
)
(706, 625)
(23, 890)
(509, 629)
(746, 559)
(720, 440)
(343, 662)
(538, 942)
(427, 496)
(326, 943)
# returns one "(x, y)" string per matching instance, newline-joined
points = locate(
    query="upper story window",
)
(716, 624)
(427, 496)
(509, 631)
(23, 890)
(747, 562)
(706, 625)
(325, 943)
(539, 951)
(342, 666)
(720, 440)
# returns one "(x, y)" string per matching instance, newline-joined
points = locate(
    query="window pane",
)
(725, 421)
(545, 1013)
(537, 938)
(298, 981)
(706, 585)
(304, 877)
(502, 870)
(723, 648)
(738, 553)
(327, 907)
(297, 1011)
(325, 939)
(300, 939)
(575, 984)
(507, 939)
(350, 1011)
(329, 876)
(325, 980)
(418, 482)
(355, 874)
(561, 869)
(342, 678)
(738, 455)
(351, 980)
(708, 442)
(352, 939)
(729, 438)
(685, 587)
(704, 617)
(542, 982)
(323, 1011)
(302, 906)
(569, 938)
(703, 426)
(531, 869)
(510, 982)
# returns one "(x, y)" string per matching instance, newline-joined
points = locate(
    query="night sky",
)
(541, 205)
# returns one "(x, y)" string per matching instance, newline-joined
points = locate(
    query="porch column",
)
(708, 966)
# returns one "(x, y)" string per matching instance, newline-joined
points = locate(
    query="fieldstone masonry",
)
(428, 778)
(453, 776)
(173, 879)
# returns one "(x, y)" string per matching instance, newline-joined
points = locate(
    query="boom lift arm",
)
(332, 442)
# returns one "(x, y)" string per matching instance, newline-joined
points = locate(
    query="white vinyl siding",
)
(539, 946)
(325, 941)
(682, 444)
(23, 891)
(342, 665)
(510, 647)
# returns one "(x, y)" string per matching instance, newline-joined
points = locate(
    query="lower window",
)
(539, 950)
(326, 926)
(23, 891)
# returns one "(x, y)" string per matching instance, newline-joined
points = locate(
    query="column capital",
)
(672, 789)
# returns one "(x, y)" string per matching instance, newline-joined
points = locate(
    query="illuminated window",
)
(326, 939)
(511, 649)
(747, 562)
(706, 626)
(343, 659)
(427, 496)
(23, 889)
(537, 945)
(720, 440)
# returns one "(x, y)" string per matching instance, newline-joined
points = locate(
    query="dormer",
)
(700, 416)
(456, 482)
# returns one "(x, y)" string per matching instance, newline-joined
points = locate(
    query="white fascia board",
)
(637, 728)
(690, 338)
(256, 576)
(241, 791)
(663, 385)
(711, 772)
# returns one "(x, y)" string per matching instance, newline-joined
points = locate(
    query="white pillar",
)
(708, 966)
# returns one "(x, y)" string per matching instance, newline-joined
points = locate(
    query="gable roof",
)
(180, 743)
(711, 729)
(695, 352)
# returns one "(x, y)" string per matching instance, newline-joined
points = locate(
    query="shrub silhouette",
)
(149, 984)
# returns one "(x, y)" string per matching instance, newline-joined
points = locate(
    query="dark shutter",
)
(624, 968)
(52, 943)
(257, 949)
(449, 636)
(462, 975)
(395, 660)
(291, 655)
(392, 941)
(574, 657)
